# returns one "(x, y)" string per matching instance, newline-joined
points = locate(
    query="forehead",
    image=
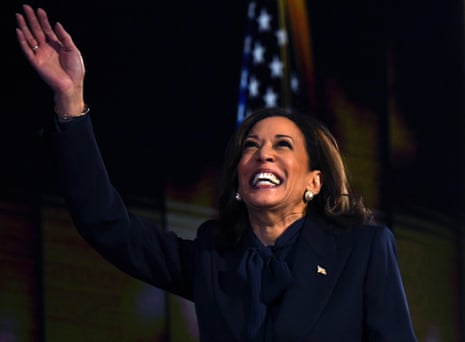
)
(276, 125)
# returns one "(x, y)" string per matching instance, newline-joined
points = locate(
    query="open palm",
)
(51, 51)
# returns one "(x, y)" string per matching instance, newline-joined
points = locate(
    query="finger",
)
(28, 51)
(65, 38)
(34, 24)
(47, 28)
(26, 34)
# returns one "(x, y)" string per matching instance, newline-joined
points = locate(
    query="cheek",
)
(245, 168)
(243, 165)
(241, 171)
(300, 170)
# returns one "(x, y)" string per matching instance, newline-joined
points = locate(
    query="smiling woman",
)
(292, 256)
(292, 155)
(274, 175)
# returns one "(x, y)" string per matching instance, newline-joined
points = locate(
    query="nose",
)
(265, 153)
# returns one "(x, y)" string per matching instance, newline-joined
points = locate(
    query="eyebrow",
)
(284, 136)
(279, 136)
(276, 136)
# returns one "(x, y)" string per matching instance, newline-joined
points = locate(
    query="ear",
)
(314, 181)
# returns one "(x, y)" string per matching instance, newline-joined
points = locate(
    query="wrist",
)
(66, 116)
(69, 102)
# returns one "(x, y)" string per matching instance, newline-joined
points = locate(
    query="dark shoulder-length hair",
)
(336, 201)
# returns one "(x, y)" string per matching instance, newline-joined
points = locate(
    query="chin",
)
(263, 203)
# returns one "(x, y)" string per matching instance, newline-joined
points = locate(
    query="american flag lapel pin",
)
(321, 270)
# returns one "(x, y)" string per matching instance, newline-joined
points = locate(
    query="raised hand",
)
(53, 54)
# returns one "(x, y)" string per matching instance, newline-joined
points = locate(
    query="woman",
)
(293, 255)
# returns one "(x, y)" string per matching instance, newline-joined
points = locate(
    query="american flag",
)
(270, 76)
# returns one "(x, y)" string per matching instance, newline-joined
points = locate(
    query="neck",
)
(268, 227)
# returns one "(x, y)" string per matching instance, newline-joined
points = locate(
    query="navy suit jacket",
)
(347, 285)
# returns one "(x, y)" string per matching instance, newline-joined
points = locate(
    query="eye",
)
(284, 143)
(249, 144)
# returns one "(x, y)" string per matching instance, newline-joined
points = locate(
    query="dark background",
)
(162, 84)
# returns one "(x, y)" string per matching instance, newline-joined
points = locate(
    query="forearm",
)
(134, 244)
(85, 183)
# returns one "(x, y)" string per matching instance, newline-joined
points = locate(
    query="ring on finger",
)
(35, 47)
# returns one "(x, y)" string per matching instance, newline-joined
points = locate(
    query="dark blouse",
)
(267, 272)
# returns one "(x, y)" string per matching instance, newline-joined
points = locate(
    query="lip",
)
(276, 174)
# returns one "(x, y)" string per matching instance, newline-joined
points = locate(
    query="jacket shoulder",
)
(378, 238)
(207, 231)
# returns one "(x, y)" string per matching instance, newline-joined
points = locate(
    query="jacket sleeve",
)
(134, 244)
(386, 308)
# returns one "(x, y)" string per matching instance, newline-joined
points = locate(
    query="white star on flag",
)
(269, 77)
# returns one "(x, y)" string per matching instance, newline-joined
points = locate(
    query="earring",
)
(238, 197)
(308, 196)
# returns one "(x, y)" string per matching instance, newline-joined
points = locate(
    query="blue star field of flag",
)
(268, 75)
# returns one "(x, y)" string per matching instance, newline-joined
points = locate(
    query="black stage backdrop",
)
(162, 83)
(162, 80)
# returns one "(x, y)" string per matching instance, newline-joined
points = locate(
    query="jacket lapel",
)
(317, 263)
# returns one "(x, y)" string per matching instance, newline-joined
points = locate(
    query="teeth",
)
(266, 177)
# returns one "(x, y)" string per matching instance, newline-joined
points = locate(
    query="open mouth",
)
(261, 179)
